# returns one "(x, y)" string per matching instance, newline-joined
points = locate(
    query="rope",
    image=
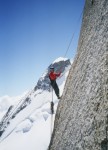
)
(106, 128)
(52, 103)
(72, 37)
(68, 47)
(52, 112)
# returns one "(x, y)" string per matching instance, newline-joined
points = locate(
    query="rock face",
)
(81, 120)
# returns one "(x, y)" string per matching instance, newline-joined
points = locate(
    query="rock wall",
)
(81, 118)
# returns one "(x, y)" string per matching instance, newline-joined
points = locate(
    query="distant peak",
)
(60, 59)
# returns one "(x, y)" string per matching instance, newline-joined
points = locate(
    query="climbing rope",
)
(52, 103)
(105, 89)
(52, 112)
(68, 47)
(72, 37)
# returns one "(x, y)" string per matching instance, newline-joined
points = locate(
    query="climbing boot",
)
(59, 97)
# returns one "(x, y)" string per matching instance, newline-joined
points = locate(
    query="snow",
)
(60, 59)
(6, 101)
(31, 128)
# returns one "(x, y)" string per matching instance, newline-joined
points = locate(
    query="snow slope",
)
(31, 128)
(7, 101)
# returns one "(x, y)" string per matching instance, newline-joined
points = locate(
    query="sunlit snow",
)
(31, 129)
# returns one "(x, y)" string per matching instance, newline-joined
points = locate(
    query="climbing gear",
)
(52, 107)
(59, 97)
(52, 104)
(52, 112)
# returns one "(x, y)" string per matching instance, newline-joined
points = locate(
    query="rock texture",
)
(81, 118)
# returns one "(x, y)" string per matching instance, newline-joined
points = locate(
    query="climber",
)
(53, 76)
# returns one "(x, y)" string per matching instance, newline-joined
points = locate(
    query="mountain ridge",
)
(35, 105)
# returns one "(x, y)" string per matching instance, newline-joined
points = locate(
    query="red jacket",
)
(53, 75)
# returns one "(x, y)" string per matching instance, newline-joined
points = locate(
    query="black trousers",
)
(55, 87)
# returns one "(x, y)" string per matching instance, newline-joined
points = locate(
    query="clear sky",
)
(33, 33)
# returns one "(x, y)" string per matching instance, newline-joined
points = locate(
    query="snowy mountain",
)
(28, 123)
(7, 101)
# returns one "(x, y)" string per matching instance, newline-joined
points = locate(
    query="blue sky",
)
(33, 33)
